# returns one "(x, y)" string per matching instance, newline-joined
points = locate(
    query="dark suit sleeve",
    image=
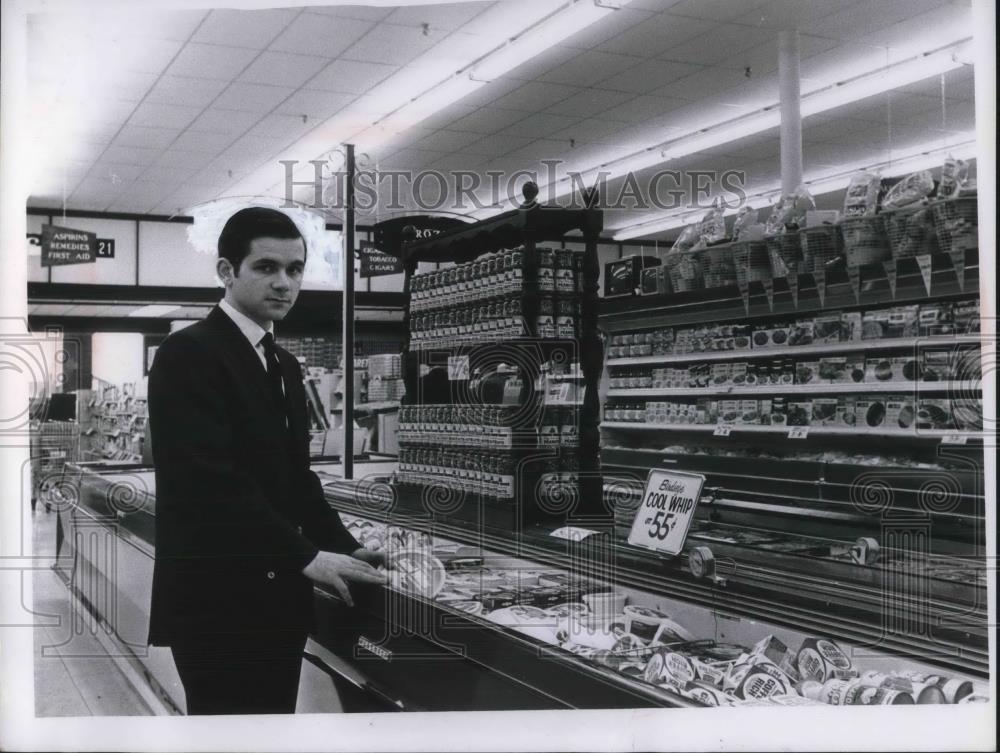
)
(207, 504)
(320, 522)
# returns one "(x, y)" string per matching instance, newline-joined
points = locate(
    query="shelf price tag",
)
(458, 368)
(954, 439)
(798, 432)
(722, 430)
(668, 505)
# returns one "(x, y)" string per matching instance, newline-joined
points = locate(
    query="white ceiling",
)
(156, 112)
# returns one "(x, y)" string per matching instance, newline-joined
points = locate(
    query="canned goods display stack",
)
(490, 422)
(489, 300)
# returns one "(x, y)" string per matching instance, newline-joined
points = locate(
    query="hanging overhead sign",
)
(105, 246)
(381, 255)
(63, 245)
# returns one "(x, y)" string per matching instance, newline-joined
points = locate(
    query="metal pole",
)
(791, 118)
(347, 455)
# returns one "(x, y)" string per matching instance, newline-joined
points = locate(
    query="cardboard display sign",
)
(667, 509)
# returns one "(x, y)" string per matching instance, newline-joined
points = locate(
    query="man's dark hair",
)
(251, 223)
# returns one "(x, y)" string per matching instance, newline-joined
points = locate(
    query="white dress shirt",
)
(250, 329)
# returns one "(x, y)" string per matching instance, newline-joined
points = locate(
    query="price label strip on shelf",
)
(723, 430)
(954, 439)
(668, 505)
(798, 432)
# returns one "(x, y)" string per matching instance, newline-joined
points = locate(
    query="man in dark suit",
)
(242, 528)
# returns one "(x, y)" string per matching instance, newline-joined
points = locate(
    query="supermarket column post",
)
(790, 95)
(348, 324)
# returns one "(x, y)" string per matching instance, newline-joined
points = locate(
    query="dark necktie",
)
(274, 372)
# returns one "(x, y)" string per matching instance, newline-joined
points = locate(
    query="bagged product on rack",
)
(862, 194)
(713, 226)
(912, 189)
(789, 214)
(965, 315)
(807, 372)
(828, 328)
(824, 411)
(686, 240)
(899, 412)
(934, 413)
(846, 411)
(878, 369)
(746, 217)
(954, 175)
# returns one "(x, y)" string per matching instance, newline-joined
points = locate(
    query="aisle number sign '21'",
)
(668, 504)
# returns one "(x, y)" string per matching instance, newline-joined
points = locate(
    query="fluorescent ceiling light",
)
(924, 157)
(391, 108)
(154, 309)
(767, 117)
(561, 25)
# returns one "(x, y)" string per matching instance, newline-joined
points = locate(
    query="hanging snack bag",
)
(862, 195)
(686, 240)
(790, 212)
(910, 190)
(954, 174)
(713, 225)
(745, 219)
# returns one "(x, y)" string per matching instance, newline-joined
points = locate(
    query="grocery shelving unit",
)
(526, 227)
(783, 504)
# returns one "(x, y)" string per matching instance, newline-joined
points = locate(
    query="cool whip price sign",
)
(668, 504)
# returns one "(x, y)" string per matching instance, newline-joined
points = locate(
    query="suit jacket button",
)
(270, 574)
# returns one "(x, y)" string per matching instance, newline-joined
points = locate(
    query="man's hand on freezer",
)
(337, 570)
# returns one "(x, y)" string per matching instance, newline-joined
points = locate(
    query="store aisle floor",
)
(74, 675)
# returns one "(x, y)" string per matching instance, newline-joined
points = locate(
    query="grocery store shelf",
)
(963, 388)
(810, 430)
(857, 346)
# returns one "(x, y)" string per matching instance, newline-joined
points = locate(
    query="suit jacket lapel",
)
(247, 360)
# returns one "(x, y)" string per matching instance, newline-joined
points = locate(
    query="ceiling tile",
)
(447, 117)
(318, 105)
(184, 90)
(130, 155)
(535, 95)
(283, 69)
(203, 142)
(714, 10)
(657, 35)
(780, 14)
(148, 138)
(588, 131)
(643, 107)
(114, 175)
(138, 55)
(180, 158)
(649, 76)
(211, 61)
(590, 67)
(125, 86)
(413, 159)
(446, 16)
(946, 20)
(325, 36)
(446, 141)
(493, 146)
(491, 92)
(220, 121)
(252, 97)
(387, 43)
(701, 84)
(531, 69)
(278, 126)
(244, 28)
(351, 76)
(158, 24)
(591, 103)
(163, 116)
(257, 148)
(488, 120)
(365, 13)
(610, 27)
(869, 16)
(720, 44)
(540, 124)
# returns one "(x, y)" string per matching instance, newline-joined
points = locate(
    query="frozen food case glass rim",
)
(636, 572)
(712, 615)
